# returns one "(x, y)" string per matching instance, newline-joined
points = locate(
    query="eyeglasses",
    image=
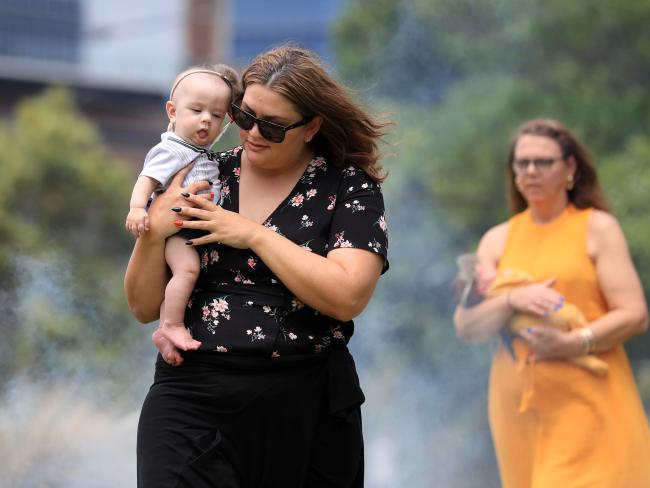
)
(269, 130)
(521, 165)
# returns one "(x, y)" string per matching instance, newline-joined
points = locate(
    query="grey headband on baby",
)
(194, 71)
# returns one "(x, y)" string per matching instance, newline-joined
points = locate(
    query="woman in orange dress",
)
(555, 424)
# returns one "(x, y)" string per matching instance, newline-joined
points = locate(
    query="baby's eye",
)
(195, 110)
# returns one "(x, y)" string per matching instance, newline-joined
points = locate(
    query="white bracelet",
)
(588, 340)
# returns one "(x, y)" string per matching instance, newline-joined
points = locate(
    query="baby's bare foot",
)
(167, 350)
(179, 336)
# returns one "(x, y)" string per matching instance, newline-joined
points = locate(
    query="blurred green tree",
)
(460, 76)
(490, 65)
(63, 246)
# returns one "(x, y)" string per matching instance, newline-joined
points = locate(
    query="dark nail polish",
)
(185, 194)
(188, 243)
(209, 182)
(176, 209)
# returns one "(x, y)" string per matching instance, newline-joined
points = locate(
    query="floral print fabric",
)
(239, 306)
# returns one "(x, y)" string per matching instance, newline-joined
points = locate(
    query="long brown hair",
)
(586, 191)
(348, 135)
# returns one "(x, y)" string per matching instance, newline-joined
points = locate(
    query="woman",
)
(554, 423)
(290, 257)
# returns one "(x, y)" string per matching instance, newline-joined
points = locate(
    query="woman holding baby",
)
(290, 256)
(553, 422)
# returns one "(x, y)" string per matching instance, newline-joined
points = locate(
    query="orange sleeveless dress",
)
(556, 425)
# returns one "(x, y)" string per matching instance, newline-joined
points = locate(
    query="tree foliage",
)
(62, 208)
(460, 76)
(586, 64)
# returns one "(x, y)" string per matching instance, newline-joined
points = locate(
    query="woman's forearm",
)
(145, 279)
(617, 326)
(483, 321)
(339, 285)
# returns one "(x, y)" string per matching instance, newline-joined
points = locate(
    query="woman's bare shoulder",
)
(601, 221)
(496, 234)
(491, 246)
(604, 234)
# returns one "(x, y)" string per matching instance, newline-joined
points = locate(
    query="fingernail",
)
(185, 194)
(176, 209)
(188, 243)
(178, 223)
(209, 182)
(211, 195)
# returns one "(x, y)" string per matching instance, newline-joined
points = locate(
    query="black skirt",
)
(231, 421)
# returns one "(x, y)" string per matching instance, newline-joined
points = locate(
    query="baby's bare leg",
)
(184, 263)
(168, 351)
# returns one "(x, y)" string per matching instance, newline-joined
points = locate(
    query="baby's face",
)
(198, 109)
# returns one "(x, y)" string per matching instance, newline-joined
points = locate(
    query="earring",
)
(308, 139)
(570, 183)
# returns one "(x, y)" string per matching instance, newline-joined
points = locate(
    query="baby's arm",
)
(137, 221)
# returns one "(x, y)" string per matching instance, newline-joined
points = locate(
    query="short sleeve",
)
(359, 219)
(162, 163)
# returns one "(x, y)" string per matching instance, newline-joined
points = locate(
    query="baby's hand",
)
(485, 275)
(137, 221)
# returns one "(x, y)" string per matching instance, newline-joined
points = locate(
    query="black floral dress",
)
(239, 306)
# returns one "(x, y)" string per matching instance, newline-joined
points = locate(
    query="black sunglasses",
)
(269, 130)
(541, 164)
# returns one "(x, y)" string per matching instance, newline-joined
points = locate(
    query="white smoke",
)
(51, 435)
(68, 403)
(425, 420)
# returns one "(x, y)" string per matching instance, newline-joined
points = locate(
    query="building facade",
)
(120, 57)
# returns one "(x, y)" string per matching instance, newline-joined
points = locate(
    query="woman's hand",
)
(537, 299)
(223, 226)
(161, 218)
(550, 343)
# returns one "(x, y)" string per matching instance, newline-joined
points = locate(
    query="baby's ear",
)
(170, 108)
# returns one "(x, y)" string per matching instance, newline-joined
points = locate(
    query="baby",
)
(567, 317)
(199, 102)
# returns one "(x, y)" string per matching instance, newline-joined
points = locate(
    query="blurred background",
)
(82, 91)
